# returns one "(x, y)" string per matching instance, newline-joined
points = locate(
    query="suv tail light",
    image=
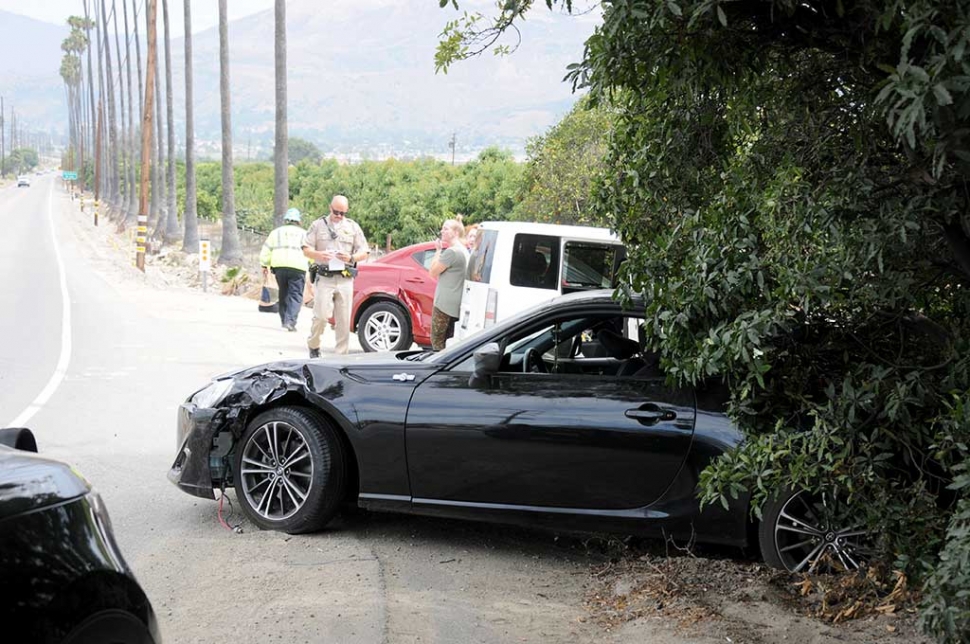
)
(491, 307)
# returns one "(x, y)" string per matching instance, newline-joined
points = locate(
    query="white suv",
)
(516, 264)
(23, 181)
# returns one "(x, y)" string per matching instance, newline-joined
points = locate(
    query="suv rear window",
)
(480, 261)
(535, 261)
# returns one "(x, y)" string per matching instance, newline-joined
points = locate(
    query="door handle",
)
(650, 414)
(414, 280)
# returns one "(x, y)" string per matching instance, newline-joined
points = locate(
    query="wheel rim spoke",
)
(806, 528)
(811, 558)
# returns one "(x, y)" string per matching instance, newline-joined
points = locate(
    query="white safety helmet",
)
(293, 214)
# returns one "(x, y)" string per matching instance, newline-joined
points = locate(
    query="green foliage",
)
(20, 160)
(563, 167)
(407, 200)
(791, 180)
(945, 611)
(302, 150)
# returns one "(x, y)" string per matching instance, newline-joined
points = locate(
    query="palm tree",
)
(230, 253)
(123, 185)
(281, 157)
(190, 242)
(112, 156)
(132, 201)
(101, 170)
(172, 227)
(159, 210)
(88, 24)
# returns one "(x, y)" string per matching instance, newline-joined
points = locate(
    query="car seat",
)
(624, 349)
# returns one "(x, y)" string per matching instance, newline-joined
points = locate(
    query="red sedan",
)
(393, 298)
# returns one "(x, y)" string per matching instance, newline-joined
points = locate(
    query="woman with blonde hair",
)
(448, 266)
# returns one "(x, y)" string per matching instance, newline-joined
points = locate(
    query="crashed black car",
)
(554, 418)
(62, 577)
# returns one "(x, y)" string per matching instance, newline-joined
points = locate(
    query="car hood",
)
(350, 362)
(30, 482)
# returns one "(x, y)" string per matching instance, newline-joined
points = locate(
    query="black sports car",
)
(62, 577)
(554, 417)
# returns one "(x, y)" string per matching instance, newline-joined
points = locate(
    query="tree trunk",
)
(281, 161)
(230, 254)
(123, 187)
(102, 153)
(112, 156)
(132, 199)
(159, 212)
(190, 243)
(172, 232)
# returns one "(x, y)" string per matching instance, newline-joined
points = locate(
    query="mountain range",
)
(360, 78)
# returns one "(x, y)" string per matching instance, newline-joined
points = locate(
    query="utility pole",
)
(451, 144)
(146, 138)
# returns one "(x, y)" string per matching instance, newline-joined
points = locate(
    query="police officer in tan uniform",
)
(336, 244)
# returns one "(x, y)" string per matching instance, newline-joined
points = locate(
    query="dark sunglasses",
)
(339, 213)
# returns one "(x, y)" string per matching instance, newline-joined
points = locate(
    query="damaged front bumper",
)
(193, 467)
(207, 432)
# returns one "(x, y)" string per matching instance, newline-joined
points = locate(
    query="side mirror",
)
(488, 359)
(18, 438)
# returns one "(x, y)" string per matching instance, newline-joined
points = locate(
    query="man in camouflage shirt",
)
(336, 244)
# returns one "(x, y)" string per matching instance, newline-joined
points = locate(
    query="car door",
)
(586, 439)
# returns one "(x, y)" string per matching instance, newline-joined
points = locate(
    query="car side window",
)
(424, 258)
(535, 261)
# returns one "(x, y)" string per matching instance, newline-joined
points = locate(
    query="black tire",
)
(802, 532)
(304, 495)
(384, 326)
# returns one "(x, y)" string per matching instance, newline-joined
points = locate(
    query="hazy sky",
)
(205, 13)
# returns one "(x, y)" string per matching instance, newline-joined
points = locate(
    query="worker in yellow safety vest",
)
(282, 253)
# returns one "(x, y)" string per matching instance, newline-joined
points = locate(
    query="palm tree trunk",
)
(132, 200)
(112, 156)
(172, 232)
(281, 161)
(159, 212)
(124, 187)
(190, 242)
(230, 254)
(102, 170)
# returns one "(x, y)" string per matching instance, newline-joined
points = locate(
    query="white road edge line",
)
(65, 358)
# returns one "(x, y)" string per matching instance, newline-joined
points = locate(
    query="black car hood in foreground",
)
(30, 482)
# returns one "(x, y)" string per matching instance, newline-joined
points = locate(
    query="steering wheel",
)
(532, 362)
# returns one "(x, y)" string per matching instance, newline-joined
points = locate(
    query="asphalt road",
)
(95, 357)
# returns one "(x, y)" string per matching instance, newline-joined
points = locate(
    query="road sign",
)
(67, 175)
(205, 258)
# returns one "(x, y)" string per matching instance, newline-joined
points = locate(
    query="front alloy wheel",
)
(802, 532)
(289, 470)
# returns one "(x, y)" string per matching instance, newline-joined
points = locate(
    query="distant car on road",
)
(393, 299)
(62, 576)
(23, 181)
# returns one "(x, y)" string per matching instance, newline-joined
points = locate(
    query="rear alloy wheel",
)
(290, 472)
(802, 532)
(384, 327)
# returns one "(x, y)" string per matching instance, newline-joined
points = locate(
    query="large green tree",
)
(563, 166)
(791, 178)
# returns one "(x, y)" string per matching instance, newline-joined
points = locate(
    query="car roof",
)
(394, 254)
(583, 232)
